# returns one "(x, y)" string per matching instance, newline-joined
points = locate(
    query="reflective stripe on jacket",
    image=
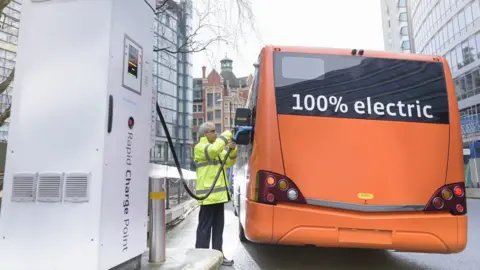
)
(207, 157)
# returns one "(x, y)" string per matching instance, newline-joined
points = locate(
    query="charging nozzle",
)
(241, 129)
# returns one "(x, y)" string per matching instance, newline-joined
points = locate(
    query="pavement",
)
(186, 258)
(180, 240)
(473, 193)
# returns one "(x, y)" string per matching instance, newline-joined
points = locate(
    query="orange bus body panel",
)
(405, 173)
(323, 227)
(455, 172)
(413, 232)
(373, 161)
(269, 155)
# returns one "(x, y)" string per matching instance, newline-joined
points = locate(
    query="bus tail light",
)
(449, 198)
(274, 188)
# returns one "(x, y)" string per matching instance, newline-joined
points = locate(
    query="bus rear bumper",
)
(407, 232)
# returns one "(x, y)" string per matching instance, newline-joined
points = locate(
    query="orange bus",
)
(351, 148)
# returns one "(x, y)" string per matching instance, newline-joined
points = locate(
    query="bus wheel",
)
(241, 232)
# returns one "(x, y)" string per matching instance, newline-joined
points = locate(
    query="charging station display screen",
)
(132, 61)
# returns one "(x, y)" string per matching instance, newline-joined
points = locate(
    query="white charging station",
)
(76, 179)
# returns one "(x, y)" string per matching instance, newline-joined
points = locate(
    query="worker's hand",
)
(232, 145)
(227, 134)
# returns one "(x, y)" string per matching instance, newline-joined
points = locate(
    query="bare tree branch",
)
(6, 114)
(216, 21)
(3, 4)
(5, 84)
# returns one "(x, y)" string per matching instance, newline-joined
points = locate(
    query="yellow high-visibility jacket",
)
(207, 157)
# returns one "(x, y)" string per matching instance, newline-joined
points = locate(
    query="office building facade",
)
(451, 28)
(396, 26)
(173, 80)
(9, 29)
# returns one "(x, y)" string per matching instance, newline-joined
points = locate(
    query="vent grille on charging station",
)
(77, 187)
(23, 187)
(49, 187)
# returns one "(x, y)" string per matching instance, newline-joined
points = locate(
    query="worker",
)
(208, 155)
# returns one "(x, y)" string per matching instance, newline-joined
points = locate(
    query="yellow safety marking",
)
(159, 195)
(365, 196)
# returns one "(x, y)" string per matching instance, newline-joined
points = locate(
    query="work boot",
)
(227, 262)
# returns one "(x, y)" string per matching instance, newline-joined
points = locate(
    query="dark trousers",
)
(211, 221)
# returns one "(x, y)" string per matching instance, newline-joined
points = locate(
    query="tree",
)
(214, 21)
(6, 83)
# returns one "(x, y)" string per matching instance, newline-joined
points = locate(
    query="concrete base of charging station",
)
(186, 259)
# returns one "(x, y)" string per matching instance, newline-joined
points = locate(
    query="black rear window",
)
(360, 87)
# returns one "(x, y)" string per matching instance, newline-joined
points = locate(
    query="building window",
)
(218, 128)
(403, 17)
(404, 31)
(468, 53)
(197, 94)
(194, 135)
(210, 100)
(461, 20)
(197, 108)
(406, 45)
(218, 114)
(401, 3)
(209, 116)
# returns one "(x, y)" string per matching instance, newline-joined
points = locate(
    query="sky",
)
(318, 23)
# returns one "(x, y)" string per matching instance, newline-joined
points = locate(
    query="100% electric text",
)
(321, 103)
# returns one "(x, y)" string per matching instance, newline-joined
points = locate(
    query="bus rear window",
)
(360, 87)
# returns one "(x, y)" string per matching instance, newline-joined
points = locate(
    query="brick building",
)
(217, 95)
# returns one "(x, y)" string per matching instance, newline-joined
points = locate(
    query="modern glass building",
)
(452, 28)
(9, 24)
(173, 80)
(395, 24)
